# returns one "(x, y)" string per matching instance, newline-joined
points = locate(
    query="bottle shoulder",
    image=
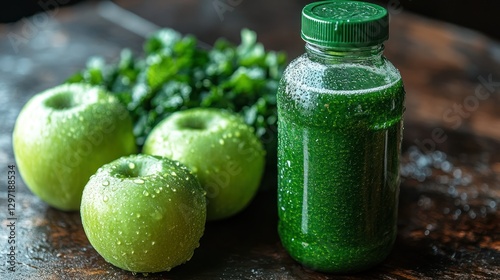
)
(340, 75)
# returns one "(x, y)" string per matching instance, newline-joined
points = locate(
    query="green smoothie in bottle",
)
(340, 108)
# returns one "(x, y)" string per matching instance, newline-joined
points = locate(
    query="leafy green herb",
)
(175, 74)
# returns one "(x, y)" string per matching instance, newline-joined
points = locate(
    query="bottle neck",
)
(336, 54)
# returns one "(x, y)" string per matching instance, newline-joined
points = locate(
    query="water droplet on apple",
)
(105, 183)
(138, 215)
(131, 165)
(153, 243)
(105, 198)
(173, 173)
(139, 181)
(145, 193)
(190, 256)
(133, 252)
(120, 232)
(145, 252)
(157, 215)
(174, 189)
(168, 269)
(221, 141)
(118, 242)
(157, 191)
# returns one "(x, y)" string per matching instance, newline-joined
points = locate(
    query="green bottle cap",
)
(344, 24)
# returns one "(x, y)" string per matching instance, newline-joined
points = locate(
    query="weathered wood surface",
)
(449, 223)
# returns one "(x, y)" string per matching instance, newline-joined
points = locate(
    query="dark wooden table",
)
(449, 223)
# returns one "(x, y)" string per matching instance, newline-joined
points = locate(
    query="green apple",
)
(63, 135)
(144, 213)
(220, 149)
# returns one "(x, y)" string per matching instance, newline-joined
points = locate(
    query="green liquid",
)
(338, 161)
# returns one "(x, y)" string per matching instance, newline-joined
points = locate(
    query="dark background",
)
(479, 15)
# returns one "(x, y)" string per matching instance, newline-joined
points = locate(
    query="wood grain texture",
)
(449, 223)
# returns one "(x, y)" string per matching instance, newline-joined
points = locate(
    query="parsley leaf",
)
(174, 74)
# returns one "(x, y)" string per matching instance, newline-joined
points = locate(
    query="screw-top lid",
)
(344, 24)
